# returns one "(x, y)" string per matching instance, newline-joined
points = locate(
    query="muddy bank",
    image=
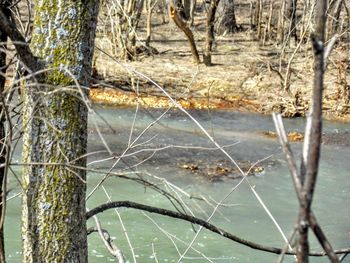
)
(120, 98)
(114, 97)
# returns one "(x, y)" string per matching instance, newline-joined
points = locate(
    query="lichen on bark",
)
(55, 133)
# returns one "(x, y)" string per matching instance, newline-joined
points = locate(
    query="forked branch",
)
(321, 237)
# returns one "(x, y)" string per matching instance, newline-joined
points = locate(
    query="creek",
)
(174, 154)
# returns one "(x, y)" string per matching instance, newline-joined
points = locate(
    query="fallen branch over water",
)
(200, 222)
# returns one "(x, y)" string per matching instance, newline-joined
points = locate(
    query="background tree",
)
(287, 22)
(257, 17)
(189, 7)
(334, 10)
(121, 19)
(225, 17)
(177, 15)
(210, 32)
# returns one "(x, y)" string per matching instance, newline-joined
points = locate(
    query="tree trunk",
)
(124, 20)
(3, 150)
(183, 26)
(291, 9)
(3, 146)
(210, 32)
(280, 23)
(149, 9)
(258, 17)
(286, 28)
(55, 133)
(313, 139)
(187, 9)
(334, 14)
(226, 19)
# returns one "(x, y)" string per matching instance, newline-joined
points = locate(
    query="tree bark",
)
(3, 150)
(149, 9)
(55, 131)
(280, 23)
(187, 9)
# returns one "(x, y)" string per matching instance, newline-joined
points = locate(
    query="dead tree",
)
(312, 146)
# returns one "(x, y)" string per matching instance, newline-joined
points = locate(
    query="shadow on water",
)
(178, 151)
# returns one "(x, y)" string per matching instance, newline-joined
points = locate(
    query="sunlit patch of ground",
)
(119, 98)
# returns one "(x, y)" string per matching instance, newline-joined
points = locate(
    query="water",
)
(156, 238)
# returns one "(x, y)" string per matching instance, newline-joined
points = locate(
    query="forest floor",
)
(244, 76)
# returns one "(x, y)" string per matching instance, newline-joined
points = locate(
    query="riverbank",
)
(246, 75)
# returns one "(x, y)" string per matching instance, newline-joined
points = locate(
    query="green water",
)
(155, 238)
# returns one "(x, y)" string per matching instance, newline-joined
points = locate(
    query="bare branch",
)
(19, 42)
(298, 186)
(200, 222)
(314, 134)
(328, 50)
(113, 249)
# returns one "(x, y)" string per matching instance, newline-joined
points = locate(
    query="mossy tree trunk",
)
(55, 133)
